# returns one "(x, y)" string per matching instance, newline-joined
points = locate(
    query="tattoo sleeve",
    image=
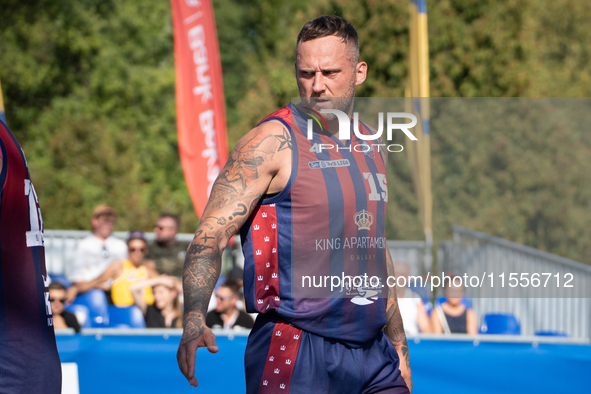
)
(235, 194)
(394, 328)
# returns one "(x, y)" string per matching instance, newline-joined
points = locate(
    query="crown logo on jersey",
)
(296, 336)
(282, 347)
(264, 214)
(256, 227)
(288, 361)
(268, 265)
(265, 382)
(273, 225)
(363, 220)
(278, 333)
(260, 277)
(258, 253)
(259, 301)
(276, 298)
(274, 250)
(282, 386)
(266, 239)
(274, 275)
(276, 370)
(267, 287)
(271, 358)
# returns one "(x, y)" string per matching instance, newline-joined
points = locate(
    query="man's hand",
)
(195, 335)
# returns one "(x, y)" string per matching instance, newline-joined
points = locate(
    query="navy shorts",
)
(281, 358)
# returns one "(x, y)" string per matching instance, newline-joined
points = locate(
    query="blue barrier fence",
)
(147, 364)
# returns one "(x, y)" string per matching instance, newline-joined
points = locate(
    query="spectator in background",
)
(451, 316)
(61, 317)
(166, 251)
(125, 273)
(411, 305)
(95, 252)
(167, 310)
(226, 315)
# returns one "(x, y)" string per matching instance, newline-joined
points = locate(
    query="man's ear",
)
(360, 73)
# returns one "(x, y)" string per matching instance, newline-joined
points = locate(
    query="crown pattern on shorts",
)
(296, 336)
(273, 225)
(258, 252)
(363, 220)
(260, 277)
(264, 214)
(265, 382)
(272, 205)
(276, 298)
(288, 361)
(278, 333)
(271, 358)
(259, 301)
(256, 227)
(267, 287)
(282, 347)
(282, 386)
(274, 275)
(266, 239)
(274, 250)
(268, 265)
(276, 370)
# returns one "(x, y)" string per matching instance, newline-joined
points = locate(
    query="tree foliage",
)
(89, 93)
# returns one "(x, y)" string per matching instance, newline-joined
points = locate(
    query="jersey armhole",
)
(276, 197)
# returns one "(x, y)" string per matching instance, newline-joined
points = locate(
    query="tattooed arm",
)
(395, 330)
(260, 163)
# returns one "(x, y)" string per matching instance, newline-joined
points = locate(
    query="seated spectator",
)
(98, 250)
(125, 273)
(451, 316)
(412, 308)
(226, 315)
(167, 311)
(61, 317)
(166, 251)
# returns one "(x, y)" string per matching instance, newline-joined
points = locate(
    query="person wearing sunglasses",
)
(125, 273)
(226, 314)
(61, 317)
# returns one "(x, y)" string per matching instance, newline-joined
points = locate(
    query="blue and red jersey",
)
(328, 222)
(29, 362)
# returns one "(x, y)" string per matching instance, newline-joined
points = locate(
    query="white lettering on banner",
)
(197, 44)
(210, 153)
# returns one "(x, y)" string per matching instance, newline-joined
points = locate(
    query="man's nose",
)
(319, 84)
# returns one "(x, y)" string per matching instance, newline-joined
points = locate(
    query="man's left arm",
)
(394, 329)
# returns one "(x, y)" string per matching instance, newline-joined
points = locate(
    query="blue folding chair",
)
(126, 317)
(96, 302)
(500, 324)
(82, 314)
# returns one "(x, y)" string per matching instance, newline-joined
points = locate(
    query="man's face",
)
(57, 298)
(327, 74)
(226, 300)
(165, 229)
(103, 225)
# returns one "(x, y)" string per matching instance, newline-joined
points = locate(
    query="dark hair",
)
(56, 286)
(174, 217)
(330, 25)
(233, 286)
(136, 234)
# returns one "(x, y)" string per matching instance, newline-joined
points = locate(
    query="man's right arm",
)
(256, 166)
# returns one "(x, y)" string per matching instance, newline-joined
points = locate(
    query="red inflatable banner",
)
(200, 110)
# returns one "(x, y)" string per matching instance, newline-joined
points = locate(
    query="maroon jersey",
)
(29, 362)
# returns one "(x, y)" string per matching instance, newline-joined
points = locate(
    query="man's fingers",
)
(190, 359)
(210, 342)
(180, 357)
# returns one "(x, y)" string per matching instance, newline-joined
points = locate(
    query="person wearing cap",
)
(125, 273)
(99, 249)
